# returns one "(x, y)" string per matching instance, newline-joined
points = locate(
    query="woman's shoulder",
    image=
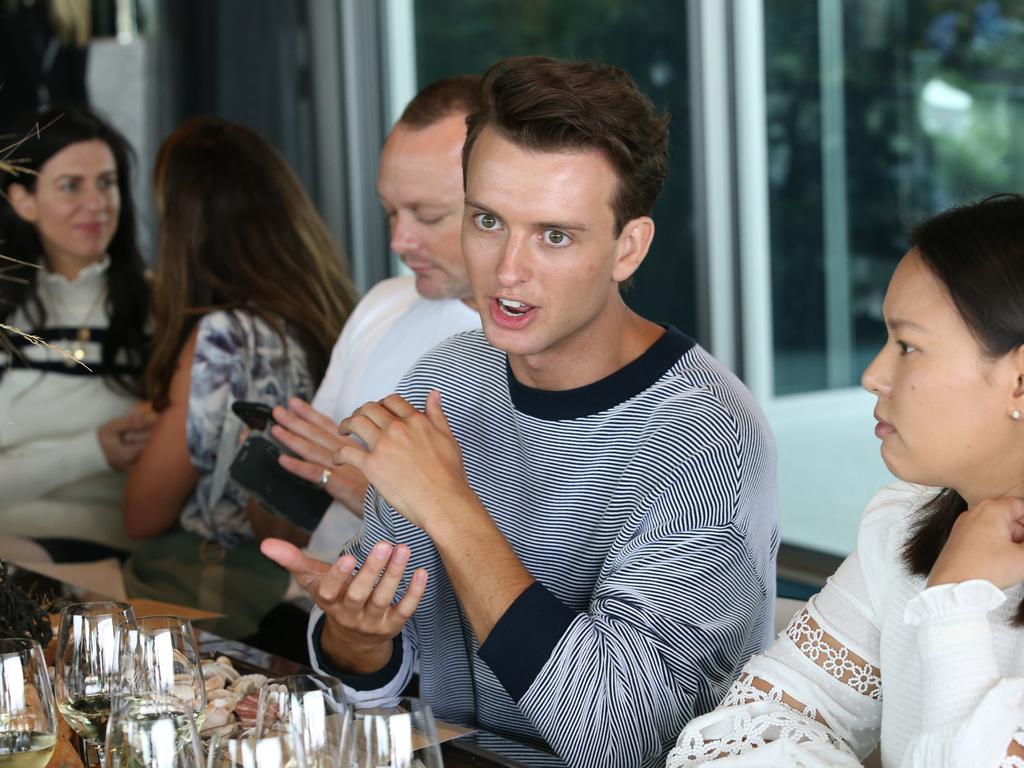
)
(898, 500)
(233, 328)
(222, 326)
(885, 524)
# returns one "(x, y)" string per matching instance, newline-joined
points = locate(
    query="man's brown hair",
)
(552, 105)
(459, 94)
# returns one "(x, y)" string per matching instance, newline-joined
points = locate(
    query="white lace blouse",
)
(948, 658)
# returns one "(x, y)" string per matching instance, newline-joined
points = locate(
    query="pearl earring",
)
(1015, 415)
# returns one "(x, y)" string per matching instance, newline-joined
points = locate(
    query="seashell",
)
(211, 668)
(223, 698)
(247, 708)
(183, 691)
(229, 670)
(213, 682)
(216, 717)
(247, 684)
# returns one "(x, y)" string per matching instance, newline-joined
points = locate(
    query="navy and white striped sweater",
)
(644, 507)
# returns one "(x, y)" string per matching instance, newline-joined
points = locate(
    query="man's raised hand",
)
(362, 616)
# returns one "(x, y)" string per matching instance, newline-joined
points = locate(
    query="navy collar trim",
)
(606, 393)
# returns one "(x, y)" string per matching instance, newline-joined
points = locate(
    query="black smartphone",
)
(255, 415)
(255, 468)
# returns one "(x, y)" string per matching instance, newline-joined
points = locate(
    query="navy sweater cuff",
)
(524, 637)
(369, 682)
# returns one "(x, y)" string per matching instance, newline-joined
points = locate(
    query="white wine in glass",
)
(28, 720)
(86, 667)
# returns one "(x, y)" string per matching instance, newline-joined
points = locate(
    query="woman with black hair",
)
(928, 610)
(70, 422)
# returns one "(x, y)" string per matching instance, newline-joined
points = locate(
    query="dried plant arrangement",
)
(20, 614)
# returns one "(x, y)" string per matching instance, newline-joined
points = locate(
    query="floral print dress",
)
(238, 356)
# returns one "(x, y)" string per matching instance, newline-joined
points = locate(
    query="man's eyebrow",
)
(470, 203)
(566, 225)
(418, 205)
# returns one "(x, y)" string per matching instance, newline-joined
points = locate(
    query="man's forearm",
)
(485, 572)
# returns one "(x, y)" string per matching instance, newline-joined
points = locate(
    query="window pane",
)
(880, 112)
(645, 37)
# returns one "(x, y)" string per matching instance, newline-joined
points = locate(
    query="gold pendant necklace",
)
(74, 354)
(78, 352)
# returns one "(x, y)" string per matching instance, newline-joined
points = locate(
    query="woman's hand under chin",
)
(987, 542)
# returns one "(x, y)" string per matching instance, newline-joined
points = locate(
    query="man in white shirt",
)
(419, 183)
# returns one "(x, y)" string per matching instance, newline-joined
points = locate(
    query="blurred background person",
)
(419, 184)
(248, 298)
(68, 421)
(43, 54)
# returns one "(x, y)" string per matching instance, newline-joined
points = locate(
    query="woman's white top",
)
(937, 674)
(54, 478)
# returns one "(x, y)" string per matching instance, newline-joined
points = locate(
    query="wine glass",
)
(310, 709)
(28, 720)
(235, 746)
(159, 667)
(155, 739)
(402, 736)
(86, 667)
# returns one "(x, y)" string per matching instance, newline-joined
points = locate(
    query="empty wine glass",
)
(235, 746)
(160, 667)
(86, 667)
(402, 736)
(154, 739)
(311, 710)
(28, 720)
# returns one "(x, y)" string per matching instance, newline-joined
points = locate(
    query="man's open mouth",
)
(513, 308)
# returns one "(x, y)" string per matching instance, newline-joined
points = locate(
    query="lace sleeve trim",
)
(829, 654)
(752, 728)
(749, 689)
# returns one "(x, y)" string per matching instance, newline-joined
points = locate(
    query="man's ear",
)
(23, 202)
(633, 244)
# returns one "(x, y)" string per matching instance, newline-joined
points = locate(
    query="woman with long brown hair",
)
(248, 299)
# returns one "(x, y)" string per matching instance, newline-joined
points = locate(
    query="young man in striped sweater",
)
(590, 493)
